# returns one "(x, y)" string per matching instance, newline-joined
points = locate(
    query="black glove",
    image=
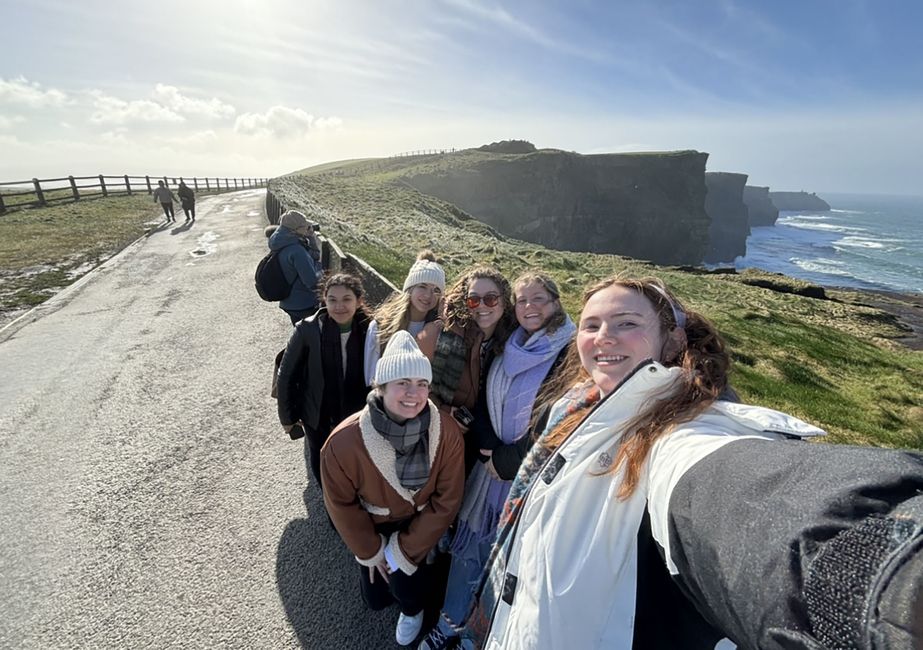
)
(296, 432)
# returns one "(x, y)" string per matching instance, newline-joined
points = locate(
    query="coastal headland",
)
(842, 359)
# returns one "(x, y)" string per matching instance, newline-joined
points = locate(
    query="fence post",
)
(148, 179)
(2, 207)
(165, 180)
(127, 185)
(195, 183)
(227, 185)
(207, 188)
(102, 185)
(38, 191)
(74, 188)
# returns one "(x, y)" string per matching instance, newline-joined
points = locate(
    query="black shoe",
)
(436, 640)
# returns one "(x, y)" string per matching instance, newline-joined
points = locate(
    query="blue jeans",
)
(464, 578)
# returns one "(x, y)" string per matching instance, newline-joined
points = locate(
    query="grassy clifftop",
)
(837, 363)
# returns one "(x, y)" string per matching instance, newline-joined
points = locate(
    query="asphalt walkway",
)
(148, 497)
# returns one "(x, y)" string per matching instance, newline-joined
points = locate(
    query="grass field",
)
(836, 363)
(45, 249)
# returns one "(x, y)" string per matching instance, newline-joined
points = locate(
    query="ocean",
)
(866, 241)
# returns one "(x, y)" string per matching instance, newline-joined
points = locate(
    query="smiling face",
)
(618, 330)
(341, 304)
(484, 316)
(423, 297)
(404, 399)
(534, 306)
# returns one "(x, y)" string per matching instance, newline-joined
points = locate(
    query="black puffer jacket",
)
(303, 390)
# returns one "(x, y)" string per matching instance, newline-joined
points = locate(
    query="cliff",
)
(730, 227)
(798, 201)
(761, 208)
(647, 206)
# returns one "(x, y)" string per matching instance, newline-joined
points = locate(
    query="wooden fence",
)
(76, 188)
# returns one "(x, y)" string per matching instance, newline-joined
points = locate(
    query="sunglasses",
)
(490, 300)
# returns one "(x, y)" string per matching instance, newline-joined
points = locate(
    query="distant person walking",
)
(165, 197)
(187, 199)
(297, 265)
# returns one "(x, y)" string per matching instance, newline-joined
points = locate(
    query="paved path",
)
(147, 496)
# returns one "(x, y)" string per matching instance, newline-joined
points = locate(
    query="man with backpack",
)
(297, 266)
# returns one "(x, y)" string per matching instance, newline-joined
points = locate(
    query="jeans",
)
(168, 210)
(464, 578)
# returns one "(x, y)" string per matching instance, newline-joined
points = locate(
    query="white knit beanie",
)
(402, 359)
(425, 271)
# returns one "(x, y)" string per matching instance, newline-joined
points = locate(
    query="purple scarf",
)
(512, 385)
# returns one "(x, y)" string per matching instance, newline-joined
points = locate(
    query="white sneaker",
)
(408, 627)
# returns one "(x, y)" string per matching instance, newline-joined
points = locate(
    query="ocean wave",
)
(859, 242)
(826, 227)
(847, 211)
(822, 265)
(803, 217)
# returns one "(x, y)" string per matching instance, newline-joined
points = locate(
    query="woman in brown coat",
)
(393, 477)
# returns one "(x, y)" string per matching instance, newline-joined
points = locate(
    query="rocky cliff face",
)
(798, 201)
(646, 206)
(760, 206)
(729, 229)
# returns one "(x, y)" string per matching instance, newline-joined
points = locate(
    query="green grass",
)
(45, 249)
(833, 363)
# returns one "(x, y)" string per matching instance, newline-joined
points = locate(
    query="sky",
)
(825, 95)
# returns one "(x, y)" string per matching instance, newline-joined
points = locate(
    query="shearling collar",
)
(382, 453)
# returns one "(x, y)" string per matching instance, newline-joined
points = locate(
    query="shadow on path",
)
(318, 582)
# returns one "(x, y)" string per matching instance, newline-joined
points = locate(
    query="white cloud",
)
(29, 93)
(112, 110)
(116, 136)
(8, 122)
(283, 122)
(173, 99)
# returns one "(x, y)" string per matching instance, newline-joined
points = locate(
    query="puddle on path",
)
(205, 244)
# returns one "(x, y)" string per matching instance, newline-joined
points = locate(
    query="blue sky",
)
(800, 95)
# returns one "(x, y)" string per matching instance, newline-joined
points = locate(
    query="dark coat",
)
(302, 376)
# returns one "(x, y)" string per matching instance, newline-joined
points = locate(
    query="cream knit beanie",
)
(425, 271)
(402, 359)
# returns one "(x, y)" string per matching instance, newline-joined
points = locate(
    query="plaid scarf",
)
(410, 441)
(448, 365)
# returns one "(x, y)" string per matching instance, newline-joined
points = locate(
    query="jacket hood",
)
(283, 237)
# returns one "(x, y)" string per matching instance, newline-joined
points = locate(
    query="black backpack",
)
(270, 280)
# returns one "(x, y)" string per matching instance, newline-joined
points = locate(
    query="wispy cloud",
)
(283, 122)
(29, 93)
(171, 98)
(507, 21)
(9, 122)
(112, 110)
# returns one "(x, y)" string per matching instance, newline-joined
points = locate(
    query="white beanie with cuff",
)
(402, 359)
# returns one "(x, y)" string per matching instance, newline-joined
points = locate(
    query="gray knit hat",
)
(425, 271)
(402, 359)
(294, 220)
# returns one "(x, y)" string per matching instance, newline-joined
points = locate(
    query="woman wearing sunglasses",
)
(478, 320)
(414, 308)
(529, 360)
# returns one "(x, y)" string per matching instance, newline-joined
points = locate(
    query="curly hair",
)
(458, 315)
(351, 282)
(703, 358)
(557, 319)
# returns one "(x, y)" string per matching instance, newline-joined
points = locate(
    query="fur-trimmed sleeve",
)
(341, 499)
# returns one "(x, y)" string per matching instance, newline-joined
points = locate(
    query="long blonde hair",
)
(703, 358)
(393, 315)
